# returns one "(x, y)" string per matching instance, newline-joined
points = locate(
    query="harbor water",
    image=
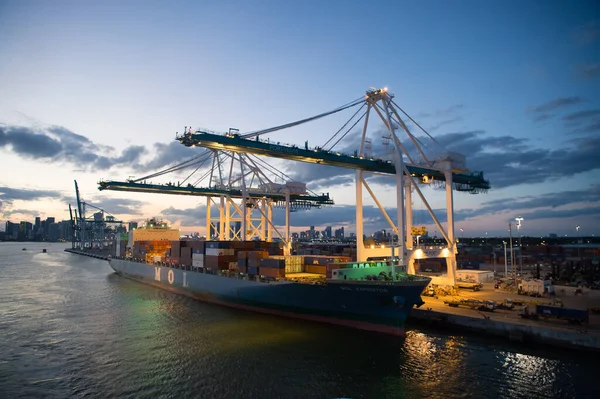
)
(70, 327)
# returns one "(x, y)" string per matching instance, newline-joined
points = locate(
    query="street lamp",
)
(519, 219)
(418, 241)
(462, 234)
(577, 238)
(505, 261)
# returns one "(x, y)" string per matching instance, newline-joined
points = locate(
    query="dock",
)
(507, 324)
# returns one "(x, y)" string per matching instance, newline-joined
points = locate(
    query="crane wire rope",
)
(417, 124)
(174, 168)
(312, 118)
(207, 173)
(195, 170)
(348, 131)
(344, 126)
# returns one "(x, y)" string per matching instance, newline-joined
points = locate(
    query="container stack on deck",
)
(151, 251)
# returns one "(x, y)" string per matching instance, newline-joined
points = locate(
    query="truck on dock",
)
(487, 306)
(573, 316)
(469, 285)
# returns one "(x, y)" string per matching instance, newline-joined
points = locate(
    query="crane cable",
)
(348, 131)
(343, 127)
(312, 118)
(182, 165)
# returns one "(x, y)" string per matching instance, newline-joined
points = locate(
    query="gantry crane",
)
(409, 166)
(88, 230)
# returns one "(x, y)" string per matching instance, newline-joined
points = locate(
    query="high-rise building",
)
(328, 232)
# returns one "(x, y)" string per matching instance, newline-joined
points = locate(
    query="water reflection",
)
(77, 329)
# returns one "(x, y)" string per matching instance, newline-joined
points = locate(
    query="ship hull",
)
(362, 306)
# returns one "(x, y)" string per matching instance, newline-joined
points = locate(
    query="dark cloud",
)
(592, 127)
(8, 194)
(509, 161)
(577, 116)
(588, 71)
(117, 206)
(592, 213)
(170, 154)
(542, 117)
(549, 200)
(8, 214)
(554, 105)
(58, 144)
(587, 33)
(444, 122)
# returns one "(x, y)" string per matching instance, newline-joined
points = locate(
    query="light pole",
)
(418, 241)
(519, 219)
(512, 253)
(462, 234)
(505, 261)
(577, 238)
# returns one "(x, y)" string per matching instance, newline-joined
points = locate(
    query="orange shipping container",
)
(316, 269)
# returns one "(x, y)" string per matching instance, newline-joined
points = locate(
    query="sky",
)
(97, 90)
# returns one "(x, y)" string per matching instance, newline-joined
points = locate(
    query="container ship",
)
(255, 276)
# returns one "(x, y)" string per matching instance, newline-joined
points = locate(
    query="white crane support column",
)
(228, 218)
(222, 218)
(451, 261)
(409, 214)
(270, 221)
(208, 221)
(287, 216)
(360, 247)
(263, 219)
(399, 163)
(409, 224)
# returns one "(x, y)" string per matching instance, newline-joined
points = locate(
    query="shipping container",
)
(317, 269)
(272, 272)
(272, 263)
(252, 270)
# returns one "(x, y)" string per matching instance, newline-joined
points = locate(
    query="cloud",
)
(58, 144)
(8, 194)
(577, 116)
(444, 122)
(117, 206)
(589, 195)
(587, 33)
(544, 111)
(8, 214)
(588, 71)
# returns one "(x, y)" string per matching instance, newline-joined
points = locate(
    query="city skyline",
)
(516, 92)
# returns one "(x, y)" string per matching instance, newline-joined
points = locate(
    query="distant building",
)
(552, 235)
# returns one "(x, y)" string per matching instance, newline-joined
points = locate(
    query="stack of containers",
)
(253, 260)
(219, 254)
(271, 267)
(185, 258)
(173, 257)
(293, 263)
(318, 264)
(242, 264)
(197, 255)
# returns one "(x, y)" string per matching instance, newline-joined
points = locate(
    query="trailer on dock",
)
(573, 316)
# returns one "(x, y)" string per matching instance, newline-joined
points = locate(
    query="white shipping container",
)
(198, 263)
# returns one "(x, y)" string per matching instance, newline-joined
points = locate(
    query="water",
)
(69, 327)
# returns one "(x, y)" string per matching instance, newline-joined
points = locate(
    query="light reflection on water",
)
(72, 328)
